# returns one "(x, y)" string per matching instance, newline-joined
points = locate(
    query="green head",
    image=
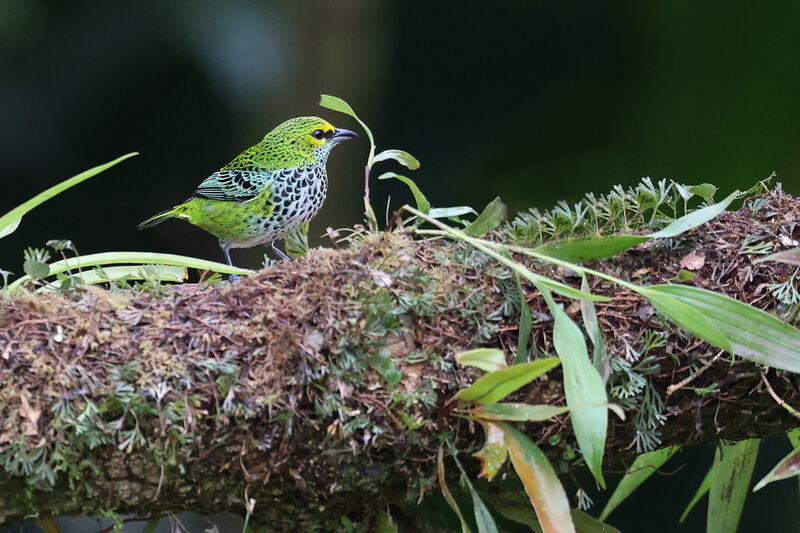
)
(301, 141)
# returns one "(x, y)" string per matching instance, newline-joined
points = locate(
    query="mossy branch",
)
(321, 386)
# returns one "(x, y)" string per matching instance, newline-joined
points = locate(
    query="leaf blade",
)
(733, 468)
(401, 156)
(422, 203)
(641, 469)
(496, 385)
(488, 359)
(540, 481)
(492, 216)
(11, 220)
(584, 388)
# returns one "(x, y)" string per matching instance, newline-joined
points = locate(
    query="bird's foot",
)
(233, 278)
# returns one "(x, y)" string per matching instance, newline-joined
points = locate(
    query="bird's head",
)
(306, 138)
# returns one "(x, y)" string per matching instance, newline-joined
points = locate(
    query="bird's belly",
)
(263, 219)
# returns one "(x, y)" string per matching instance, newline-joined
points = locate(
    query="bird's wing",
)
(233, 185)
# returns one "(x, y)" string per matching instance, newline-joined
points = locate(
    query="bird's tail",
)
(158, 219)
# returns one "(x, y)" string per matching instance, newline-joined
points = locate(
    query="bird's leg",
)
(277, 251)
(226, 249)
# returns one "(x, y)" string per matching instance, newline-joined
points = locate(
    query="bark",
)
(277, 387)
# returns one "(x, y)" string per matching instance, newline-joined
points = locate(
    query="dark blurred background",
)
(531, 101)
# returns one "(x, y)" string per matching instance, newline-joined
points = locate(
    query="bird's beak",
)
(342, 134)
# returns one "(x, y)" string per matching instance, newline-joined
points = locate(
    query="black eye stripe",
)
(329, 134)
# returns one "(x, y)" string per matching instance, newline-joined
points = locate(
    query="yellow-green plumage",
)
(265, 191)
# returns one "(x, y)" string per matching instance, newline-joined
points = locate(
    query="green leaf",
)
(750, 333)
(516, 412)
(584, 388)
(448, 496)
(590, 248)
(92, 277)
(496, 385)
(787, 467)
(448, 212)
(493, 453)
(702, 490)
(540, 481)
(592, 325)
(694, 219)
(10, 221)
(347, 523)
(600, 247)
(491, 217)
(337, 104)
(733, 468)
(525, 324)
(488, 359)
(482, 515)
(142, 258)
(404, 158)
(706, 191)
(684, 314)
(586, 523)
(642, 468)
(422, 202)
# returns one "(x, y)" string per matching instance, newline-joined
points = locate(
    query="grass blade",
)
(10, 221)
(750, 332)
(164, 272)
(694, 219)
(540, 481)
(641, 469)
(496, 385)
(592, 325)
(702, 490)
(422, 203)
(584, 388)
(143, 258)
(525, 323)
(448, 496)
(733, 468)
(482, 515)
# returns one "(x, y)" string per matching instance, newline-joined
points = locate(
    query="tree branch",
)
(280, 383)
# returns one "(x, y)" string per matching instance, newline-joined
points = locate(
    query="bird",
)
(267, 190)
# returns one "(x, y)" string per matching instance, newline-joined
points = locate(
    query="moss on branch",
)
(319, 387)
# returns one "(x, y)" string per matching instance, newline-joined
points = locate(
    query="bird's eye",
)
(318, 134)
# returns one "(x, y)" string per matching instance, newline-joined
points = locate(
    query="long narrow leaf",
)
(10, 221)
(702, 490)
(642, 468)
(517, 412)
(91, 277)
(448, 496)
(482, 515)
(142, 258)
(750, 332)
(525, 323)
(540, 481)
(496, 385)
(492, 216)
(592, 325)
(733, 468)
(422, 203)
(585, 249)
(584, 388)
(680, 311)
(789, 466)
